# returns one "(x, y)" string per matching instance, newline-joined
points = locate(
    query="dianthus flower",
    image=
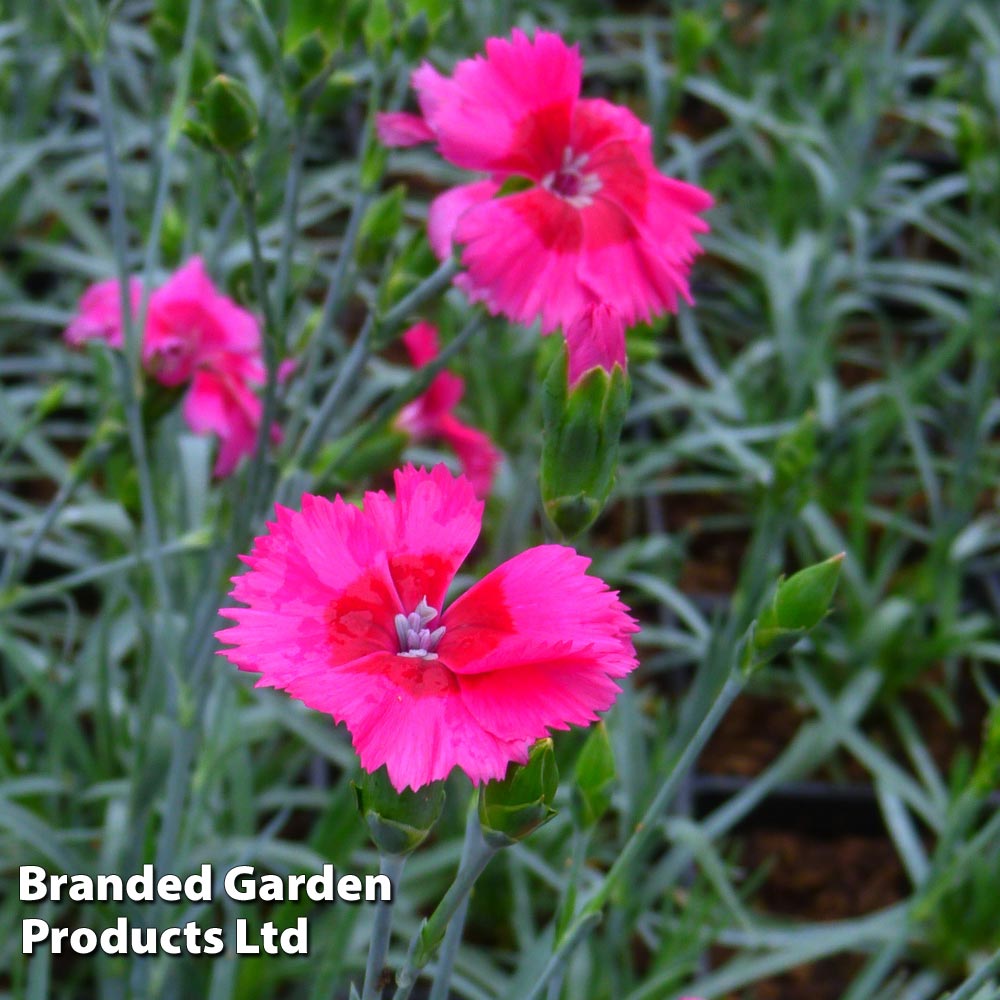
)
(430, 414)
(346, 612)
(573, 213)
(193, 334)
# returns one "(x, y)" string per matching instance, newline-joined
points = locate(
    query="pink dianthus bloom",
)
(430, 415)
(346, 611)
(595, 224)
(193, 334)
(99, 313)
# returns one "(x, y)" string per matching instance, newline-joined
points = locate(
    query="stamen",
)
(570, 183)
(415, 638)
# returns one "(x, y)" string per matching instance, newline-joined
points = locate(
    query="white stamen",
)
(415, 638)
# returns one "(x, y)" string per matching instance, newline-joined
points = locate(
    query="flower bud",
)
(398, 821)
(794, 460)
(305, 62)
(583, 425)
(595, 774)
(799, 604)
(228, 114)
(511, 809)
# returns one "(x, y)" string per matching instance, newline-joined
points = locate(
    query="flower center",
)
(415, 638)
(570, 183)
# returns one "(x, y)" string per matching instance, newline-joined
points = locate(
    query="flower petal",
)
(595, 339)
(427, 531)
(99, 313)
(398, 128)
(409, 716)
(541, 598)
(319, 591)
(509, 112)
(543, 691)
(446, 209)
(521, 255)
(476, 452)
(220, 403)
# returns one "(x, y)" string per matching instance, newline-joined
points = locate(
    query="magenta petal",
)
(595, 339)
(319, 594)
(521, 255)
(542, 693)
(477, 454)
(410, 717)
(397, 128)
(446, 210)
(540, 598)
(223, 404)
(427, 531)
(99, 313)
(508, 112)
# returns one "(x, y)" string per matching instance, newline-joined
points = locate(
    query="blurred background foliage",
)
(834, 389)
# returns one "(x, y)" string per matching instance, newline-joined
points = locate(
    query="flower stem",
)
(971, 986)
(590, 914)
(390, 865)
(431, 932)
(352, 364)
(456, 926)
(129, 371)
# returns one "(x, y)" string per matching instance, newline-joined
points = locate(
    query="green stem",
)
(426, 940)
(644, 832)
(362, 347)
(243, 183)
(129, 371)
(390, 865)
(456, 926)
(972, 985)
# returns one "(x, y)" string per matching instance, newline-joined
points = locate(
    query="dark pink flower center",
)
(570, 182)
(415, 638)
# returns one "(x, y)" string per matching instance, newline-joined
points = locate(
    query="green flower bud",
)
(228, 114)
(794, 460)
(511, 809)
(595, 775)
(583, 425)
(799, 604)
(693, 33)
(305, 62)
(416, 37)
(378, 24)
(51, 399)
(380, 225)
(398, 821)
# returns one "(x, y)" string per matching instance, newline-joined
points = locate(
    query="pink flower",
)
(190, 324)
(99, 314)
(430, 415)
(346, 611)
(597, 223)
(193, 334)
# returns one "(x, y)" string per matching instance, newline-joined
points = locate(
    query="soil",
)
(819, 845)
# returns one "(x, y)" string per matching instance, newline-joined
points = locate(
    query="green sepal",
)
(511, 809)
(399, 822)
(799, 604)
(583, 426)
(228, 114)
